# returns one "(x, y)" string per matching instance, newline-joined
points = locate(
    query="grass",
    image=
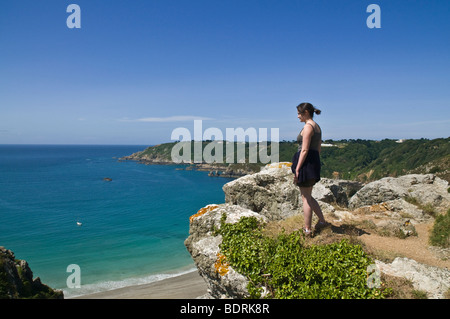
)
(440, 234)
(402, 288)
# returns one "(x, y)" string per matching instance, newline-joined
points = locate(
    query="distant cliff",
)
(161, 155)
(16, 280)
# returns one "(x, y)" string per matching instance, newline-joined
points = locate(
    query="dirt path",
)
(413, 247)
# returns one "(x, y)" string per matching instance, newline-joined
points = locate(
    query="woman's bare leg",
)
(310, 205)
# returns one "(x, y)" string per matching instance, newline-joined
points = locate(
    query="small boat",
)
(79, 224)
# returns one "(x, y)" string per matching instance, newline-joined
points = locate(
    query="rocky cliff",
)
(16, 280)
(390, 206)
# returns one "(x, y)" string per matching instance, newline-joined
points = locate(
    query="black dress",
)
(310, 170)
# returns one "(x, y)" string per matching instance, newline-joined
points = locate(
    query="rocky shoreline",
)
(16, 280)
(381, 208)
(214, 170)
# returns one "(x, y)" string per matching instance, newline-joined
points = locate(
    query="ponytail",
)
(308, 107)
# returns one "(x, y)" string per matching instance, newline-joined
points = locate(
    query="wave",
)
(113, 285)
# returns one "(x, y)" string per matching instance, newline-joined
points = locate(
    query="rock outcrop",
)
(335, 191)
(427, 278)
(16, 280)
(425, 189)
(203, 245)
(270, 195)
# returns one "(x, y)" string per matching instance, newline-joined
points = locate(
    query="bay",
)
(133, 227)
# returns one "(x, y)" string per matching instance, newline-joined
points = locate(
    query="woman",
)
(307, 171)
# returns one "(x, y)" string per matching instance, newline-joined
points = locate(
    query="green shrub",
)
(440, 234)
(288, 268)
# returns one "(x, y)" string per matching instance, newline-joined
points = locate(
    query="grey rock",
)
(425, 189)
(435, 281)
(335, 190)
(204, 246)
(270, 193)
(273, 194)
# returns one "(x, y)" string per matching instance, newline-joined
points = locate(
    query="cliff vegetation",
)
(16, 280)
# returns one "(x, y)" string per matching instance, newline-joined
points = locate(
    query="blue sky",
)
(136, 70)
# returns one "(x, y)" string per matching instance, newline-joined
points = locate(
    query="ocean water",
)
(133, 227)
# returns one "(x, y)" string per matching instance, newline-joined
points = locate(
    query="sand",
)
(187, 286)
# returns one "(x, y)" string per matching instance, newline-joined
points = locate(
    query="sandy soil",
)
(187, 286)
(413, 247)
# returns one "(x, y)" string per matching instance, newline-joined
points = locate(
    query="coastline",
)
(185, 286)
(232, 171)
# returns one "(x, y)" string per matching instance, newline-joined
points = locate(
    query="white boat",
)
(79, 224)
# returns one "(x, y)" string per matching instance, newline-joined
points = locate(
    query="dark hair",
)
(302, 107)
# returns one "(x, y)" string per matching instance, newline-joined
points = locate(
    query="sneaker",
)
(307, 233)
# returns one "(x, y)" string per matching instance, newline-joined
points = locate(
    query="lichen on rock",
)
(202, 211)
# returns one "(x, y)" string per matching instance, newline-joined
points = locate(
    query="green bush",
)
(288, 268)
(440, 234)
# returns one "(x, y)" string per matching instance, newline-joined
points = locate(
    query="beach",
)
(186, 286)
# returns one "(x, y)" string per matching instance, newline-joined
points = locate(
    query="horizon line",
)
(168, 142)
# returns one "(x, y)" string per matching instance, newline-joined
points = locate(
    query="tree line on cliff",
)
(352, 159)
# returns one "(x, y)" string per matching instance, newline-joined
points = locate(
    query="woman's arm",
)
(307, 134)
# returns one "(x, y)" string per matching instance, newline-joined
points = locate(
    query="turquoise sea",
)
(133, 227)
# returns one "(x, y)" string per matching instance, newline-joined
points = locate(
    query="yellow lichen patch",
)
(279, 165)
(202, 211)
(221, 265)
(382, 207)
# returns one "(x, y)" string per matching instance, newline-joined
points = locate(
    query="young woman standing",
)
(307, 171)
